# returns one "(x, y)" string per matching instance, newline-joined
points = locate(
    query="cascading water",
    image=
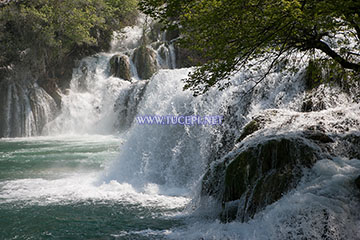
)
(144, 182)
(88, 106)
(98, 101)
(25, 108)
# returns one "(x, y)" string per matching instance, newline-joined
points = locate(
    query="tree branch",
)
(342, 61)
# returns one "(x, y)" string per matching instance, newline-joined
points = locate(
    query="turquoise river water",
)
(52, 188)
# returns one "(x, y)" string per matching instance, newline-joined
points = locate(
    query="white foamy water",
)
(72, 180)
(82, 187)
(88, 106)
(323, 206)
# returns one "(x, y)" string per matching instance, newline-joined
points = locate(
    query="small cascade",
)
(26, 109)
(88, 105)
(166, 56)
(106, 88)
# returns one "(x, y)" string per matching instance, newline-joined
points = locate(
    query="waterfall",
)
(139, 77)
(88, 105)
(106, 88)
(100, 101)
(25, 108)
(177, 156)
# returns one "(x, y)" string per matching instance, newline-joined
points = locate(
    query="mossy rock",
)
(318, 136)
(120, 67)
(259, 175)
(212, 180)
(249, 129)
(145, 62)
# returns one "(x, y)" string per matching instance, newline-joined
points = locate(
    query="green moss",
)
(262, 173)
(249, 129)
(236, 177)
(313, 77)
(327, 71)
(145, 62)
(120, 67)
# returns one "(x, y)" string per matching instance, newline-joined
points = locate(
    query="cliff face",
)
(25, 106)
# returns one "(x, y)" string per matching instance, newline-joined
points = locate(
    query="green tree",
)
(54, 29)
(230, 33)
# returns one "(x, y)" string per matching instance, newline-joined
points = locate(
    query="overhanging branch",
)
(342, 61)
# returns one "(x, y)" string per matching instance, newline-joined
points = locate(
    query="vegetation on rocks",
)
(54, 33)
(258, 175)
(261, 174)
(145, 62)
(249, 128)
(120, 67)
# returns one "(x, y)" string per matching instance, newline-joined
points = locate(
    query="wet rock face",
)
(357, 182)
(348, 146)
(249, 129)
(145, 62)
(258, 176)
(50, 86)
(127, 103)
(120, 67)
(24, 110)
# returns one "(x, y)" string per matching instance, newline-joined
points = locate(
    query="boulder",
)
(145, 62)
(318, 136)
(349, 146)
(258, 175)
(120, 67)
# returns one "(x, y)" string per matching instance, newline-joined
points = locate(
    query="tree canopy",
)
(230, 33)
(54, 29)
